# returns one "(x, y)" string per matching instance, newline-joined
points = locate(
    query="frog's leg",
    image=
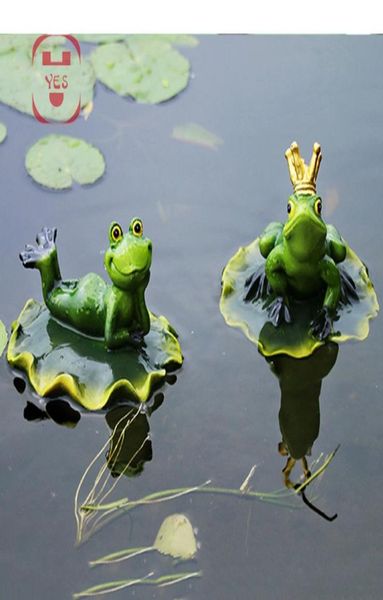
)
(321, 326)
(256, 286)
(336, 247)
(275, 272)
(270, 238)
(44, 258)
(115, 335)
(141, 312)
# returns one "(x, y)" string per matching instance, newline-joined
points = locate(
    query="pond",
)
(198, 205)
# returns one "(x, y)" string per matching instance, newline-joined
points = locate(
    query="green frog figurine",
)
(288, 287)
(115, 312)
(302, 255)
(96, 342)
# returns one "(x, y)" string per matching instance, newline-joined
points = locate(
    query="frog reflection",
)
(130, 446)
(300, 382)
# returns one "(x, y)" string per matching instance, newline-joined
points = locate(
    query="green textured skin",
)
(94, 308)
(301, 255)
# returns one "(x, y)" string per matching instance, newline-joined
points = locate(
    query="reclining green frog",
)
(115, 312)
(302, 255)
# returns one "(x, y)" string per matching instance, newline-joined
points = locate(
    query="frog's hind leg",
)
(44, 258)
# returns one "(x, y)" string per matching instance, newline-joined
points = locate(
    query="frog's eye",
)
(318, 206)
(290, 207)
(137, 228)
(115, 232)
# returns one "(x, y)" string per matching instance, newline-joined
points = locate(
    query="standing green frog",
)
(302, 255)
(115, 312)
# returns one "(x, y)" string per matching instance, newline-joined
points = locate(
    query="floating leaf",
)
(3, 132)
(100, 38)
(192, 133)
(176, 39)
(175, 538)
(11, 42)
(55, 161)
(3, 337)
(150, 71)
(19, 80)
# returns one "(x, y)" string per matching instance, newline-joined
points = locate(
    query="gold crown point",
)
(303, 177)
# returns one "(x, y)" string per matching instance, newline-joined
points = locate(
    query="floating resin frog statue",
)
(286, 289)
(96, 342)
(302, 255)
(116, 312)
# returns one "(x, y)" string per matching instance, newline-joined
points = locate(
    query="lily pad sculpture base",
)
(57, 360)
(293, 339)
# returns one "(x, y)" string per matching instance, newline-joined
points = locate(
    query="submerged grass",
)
(93, 511)
(114, 586)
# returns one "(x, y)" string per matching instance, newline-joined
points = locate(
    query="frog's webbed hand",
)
(321, 326)
(278, 308)
(44, 258)
(257, 286)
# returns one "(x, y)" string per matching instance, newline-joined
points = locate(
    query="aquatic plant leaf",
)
(114, 586)
(150, 71)
(55, 161)
(293, 338)
(193, 133)
(176, 39)
(100, 38)
(11, 42)
(3, 337)
(19, 80)
(176, 537)
(59, 360)
(3, 132)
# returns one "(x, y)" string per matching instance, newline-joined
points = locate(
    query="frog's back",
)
(80, 303)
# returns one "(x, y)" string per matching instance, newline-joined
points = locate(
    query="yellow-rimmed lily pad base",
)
(293, 339)
(58, 360)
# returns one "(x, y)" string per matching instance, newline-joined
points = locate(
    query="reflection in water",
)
(130, 446)
(300, 382)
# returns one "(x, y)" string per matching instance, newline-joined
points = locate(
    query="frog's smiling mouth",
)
(125, 274)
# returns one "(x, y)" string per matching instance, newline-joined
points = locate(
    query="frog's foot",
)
(32, 255)
(348, 293)
(278, 311)
(257, 286)
(321, 326)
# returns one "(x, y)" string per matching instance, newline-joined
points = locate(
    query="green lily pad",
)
(11, 42)
(59, 360)
(192, 133)
(150, 71)
(3, 337)
(55, 161)
(100, 38)
(176, 39)
(3, 132)
(19, 80)
(176, 537)
(293, 339)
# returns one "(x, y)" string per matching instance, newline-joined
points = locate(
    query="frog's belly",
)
(80, 303)
(304, 281)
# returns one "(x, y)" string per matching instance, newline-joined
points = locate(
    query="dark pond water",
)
(221, 417)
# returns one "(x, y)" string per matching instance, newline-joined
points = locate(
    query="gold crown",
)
(303, 177)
